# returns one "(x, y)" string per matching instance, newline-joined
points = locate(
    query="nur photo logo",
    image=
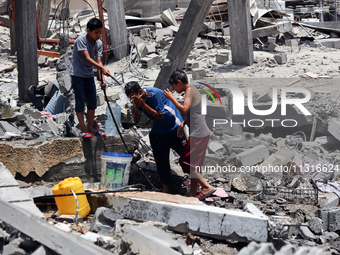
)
(276, 112)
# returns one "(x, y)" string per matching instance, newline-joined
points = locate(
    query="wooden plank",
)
(46, 234)
(118, 31)
(241, 37)
(184, 40)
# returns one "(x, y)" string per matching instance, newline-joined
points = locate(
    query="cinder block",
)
(334, 220)
(221, 58)
(293, 42)
(198, 73)
(281, 58)
(150, 60)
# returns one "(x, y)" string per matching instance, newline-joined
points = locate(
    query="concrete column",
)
(12, 27)
(184, 40)
(118, 31)
(240, 32)
(26, 42)
(44, 7)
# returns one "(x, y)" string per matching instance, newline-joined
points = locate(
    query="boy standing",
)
(194, 152)
(166, 120)
(87, 53)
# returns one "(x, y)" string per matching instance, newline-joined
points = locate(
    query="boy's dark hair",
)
(178, 75)
(93, 24)
(132, 87)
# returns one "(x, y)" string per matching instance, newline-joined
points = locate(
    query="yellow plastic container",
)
(67, 205)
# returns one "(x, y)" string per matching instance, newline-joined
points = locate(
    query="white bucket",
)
(115, 170)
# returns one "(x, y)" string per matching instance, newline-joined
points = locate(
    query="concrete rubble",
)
(268, 170)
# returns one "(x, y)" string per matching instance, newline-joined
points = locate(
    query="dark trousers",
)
(161, 145)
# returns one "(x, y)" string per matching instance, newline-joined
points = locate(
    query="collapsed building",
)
(277, 176)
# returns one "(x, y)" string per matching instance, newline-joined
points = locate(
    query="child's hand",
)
(137, 100)
(168, 94)
(180, 130)
(103, 85)
(106, 72)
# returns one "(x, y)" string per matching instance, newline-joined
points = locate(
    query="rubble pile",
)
(288, 179)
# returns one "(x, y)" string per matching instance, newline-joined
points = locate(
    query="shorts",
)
(193, 153)
(84, 91)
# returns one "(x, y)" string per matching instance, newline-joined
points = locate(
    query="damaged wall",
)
(38, 157)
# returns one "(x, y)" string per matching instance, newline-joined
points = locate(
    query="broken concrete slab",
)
(48, 235)
(253, 156)
(104, 220)
(144, 239)
(334, 128)
(328, 200)
(197, 218)
(330, 217)
(316, 225)
(10, 192)
(38, 157)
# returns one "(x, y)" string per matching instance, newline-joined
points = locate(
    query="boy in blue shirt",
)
(166, 120)
(87, 53)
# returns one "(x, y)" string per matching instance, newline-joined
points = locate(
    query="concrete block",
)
(292, 42)
(222, 58)
(334, 128)
(145, 33)
(150, 48)
(316, 225)
(100, 98)
(52, 62)
(144, 239)
(330, 217)
(271, 39)
(281, 58)
(66, 83)
(150, 60)
(142, 50)
(306, 233)
(104, 220)
(196, 218)
(327, 200)
(334, 220)
(7, 127)
(198, 73)
(12, 248)
(328, 237)
(253, 156)
(42, 61)
(269, 47)
(158, 25)
(164, 32)
(247, 183)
